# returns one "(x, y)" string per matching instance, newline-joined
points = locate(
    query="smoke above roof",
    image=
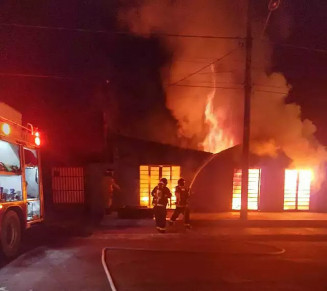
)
(275, 124)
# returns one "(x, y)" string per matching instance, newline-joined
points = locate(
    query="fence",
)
(68, 185)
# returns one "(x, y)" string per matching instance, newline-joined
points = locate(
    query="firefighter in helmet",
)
(182, 198)
(111, 186)
(161, 195)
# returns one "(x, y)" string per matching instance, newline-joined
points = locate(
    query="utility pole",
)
(247, 113)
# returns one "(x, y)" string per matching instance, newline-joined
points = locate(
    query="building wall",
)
(213, 188)
(318, 200)
(272, 188)
(131, 153)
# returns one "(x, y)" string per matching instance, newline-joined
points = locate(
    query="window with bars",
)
(150, 176)
(253, 189)
(297, 189)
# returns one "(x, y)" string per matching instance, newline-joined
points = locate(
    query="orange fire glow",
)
(217, 139)
(149, 178)
(297, 189)
(253, 189)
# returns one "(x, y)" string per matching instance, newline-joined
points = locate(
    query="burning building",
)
(203, 87)
(204, 92)
(274, 185)
(140, 164)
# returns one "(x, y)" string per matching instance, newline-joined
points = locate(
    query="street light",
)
(272, 6)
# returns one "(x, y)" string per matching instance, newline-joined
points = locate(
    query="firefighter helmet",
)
(181, 182)
(164, 180)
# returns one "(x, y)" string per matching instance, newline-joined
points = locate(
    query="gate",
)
(68, 185)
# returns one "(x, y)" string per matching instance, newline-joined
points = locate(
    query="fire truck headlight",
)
(5, 128)
(37, 141)
(1, 206)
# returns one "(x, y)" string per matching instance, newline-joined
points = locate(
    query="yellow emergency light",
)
(5, 128)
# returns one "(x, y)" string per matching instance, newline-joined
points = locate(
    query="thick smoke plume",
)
(275, 126)
(186, 101)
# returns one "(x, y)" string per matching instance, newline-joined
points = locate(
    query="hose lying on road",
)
(106, 269)
(278, 251)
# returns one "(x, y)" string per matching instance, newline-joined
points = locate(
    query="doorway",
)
(32, 181)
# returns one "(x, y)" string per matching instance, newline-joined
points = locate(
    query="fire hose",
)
(278, 251)
(201, 168)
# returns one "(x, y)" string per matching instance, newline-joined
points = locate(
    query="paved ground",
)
(259, 215)
(204, 258)
(239, 268)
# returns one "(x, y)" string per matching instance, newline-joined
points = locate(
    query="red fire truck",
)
(21, 195)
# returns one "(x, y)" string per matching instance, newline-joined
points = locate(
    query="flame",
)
(253, 189)
(217, 138)
(297, 189)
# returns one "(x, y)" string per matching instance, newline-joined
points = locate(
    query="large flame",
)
(217, 138)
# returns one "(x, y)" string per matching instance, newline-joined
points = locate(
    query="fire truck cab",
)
(21, 195)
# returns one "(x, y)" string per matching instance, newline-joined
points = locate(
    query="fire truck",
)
(21, 194)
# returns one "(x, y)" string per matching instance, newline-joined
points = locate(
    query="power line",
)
(37, 76)
(83, 30)
(217, 73)
(209, 87)
(41, 76)
(204, 67)
(324, 51)
(211, 82)
(268, 86)
(311, 49)
(273, 92)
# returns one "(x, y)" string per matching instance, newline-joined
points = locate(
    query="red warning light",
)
(37, 139)
(6, 128)
(273, 4)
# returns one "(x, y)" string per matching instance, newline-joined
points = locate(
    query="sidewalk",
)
(260, 226)
(263, 219)
(271, 219)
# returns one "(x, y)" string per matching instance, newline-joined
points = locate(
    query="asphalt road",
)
(180, 261)
(141, 270)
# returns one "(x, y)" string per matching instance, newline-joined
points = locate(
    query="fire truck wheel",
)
(10, 234)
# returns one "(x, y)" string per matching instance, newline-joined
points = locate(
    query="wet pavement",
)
(76, 266)
(141, 270)
(139, 258)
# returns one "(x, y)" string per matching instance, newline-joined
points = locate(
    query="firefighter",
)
(161, 195)
(182, 196)
(111, 185)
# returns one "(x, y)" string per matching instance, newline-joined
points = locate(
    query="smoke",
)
(187, 99)
(275, 125)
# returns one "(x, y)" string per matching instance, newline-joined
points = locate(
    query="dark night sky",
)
(306, 70)
(67, 109)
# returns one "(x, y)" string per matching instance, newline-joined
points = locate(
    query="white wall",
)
(9, 154)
